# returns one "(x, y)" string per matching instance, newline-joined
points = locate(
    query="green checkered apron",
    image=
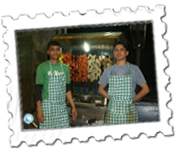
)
(121, 108)
(54, 108)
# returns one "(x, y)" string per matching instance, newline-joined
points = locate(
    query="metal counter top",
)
(88, 105)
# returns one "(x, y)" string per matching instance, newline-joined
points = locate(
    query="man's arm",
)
(38, 92)
(70, 99)
(40, 115)
(140, 80)
(38, 98)
(145, 90)
(39, 83)
(69, 94)
(101, 90)
(104, 80)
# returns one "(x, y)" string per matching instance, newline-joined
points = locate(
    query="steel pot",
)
(86, 98)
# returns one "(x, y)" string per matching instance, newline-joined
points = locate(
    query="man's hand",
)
(145, 90)
(40, 116)
(74, 114)
(103, 92)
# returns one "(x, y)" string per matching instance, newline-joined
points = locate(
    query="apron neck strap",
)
(50, 65)
(112, 69)
(128, 69)
(62, 67)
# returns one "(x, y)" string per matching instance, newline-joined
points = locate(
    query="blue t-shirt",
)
(136, 74)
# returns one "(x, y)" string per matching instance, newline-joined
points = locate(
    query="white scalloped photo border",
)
(75, 19)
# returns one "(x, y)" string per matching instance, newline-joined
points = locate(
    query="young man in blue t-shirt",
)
(122, 78)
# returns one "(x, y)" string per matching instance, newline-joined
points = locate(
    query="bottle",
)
(105, 101)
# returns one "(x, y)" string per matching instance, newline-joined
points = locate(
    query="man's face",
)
(120, 52)
(54, 51)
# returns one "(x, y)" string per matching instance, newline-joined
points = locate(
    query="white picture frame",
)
(74, 19)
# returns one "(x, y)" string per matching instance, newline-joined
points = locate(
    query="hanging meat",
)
(107, 62)
(94, 67)
(74, 68)
(67, 59)
(82, 70)
(77, 68)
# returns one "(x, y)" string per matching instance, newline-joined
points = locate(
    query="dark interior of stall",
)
(147, 58)
(31, 51)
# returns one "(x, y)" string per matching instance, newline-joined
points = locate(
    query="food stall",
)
(88, 55)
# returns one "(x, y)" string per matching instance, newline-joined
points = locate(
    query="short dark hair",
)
(52, 43)
(121, 43)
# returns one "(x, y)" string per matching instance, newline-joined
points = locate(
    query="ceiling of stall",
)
(102, 38)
